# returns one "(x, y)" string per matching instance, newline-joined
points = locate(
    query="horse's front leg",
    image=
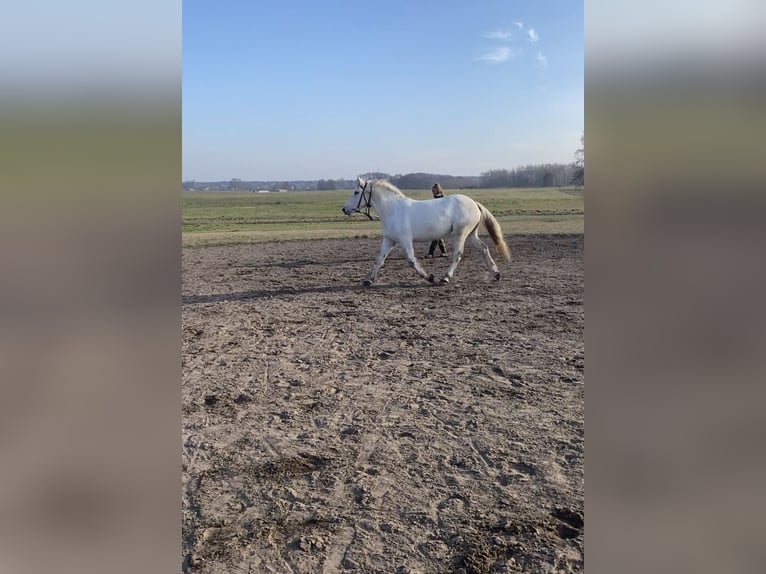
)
(458, 246)
(385, 248)
(409, 250)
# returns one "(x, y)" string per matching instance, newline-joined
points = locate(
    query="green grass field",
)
(218, 217)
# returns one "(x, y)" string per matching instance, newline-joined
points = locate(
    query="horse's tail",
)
(493, 227)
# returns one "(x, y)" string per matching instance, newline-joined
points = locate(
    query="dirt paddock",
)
(400, 428)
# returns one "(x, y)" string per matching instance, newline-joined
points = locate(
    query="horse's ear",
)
(359, 181)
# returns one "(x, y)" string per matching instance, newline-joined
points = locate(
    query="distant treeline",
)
(541, 175)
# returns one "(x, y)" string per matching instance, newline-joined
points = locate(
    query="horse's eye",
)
(356, 192)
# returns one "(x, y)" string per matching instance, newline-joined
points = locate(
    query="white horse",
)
(404, 220)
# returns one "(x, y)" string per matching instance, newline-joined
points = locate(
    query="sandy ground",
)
(401, 428)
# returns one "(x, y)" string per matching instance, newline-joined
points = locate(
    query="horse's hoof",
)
(366, 282)
(444, 281)
(497, 275)
(430, 278)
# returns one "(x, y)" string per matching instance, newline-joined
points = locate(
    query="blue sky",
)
(310, 89)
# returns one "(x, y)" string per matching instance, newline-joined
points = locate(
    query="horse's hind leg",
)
(458, 246)
(409, 250)
(385, 248)
(488, 261)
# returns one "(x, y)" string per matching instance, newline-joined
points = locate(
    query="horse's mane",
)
(388, 186)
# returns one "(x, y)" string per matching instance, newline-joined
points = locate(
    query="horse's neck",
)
(382, 200)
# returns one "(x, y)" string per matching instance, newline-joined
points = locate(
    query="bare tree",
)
(578, 179)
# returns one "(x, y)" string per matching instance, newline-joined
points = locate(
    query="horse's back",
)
(433, 218)
(450, 205)
(464, 209)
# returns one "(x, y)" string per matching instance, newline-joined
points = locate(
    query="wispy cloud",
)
(498, 35)
(498, 55)
(509, 43)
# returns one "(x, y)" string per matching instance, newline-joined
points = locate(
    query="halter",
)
(368, 199)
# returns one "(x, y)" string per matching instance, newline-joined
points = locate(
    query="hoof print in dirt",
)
(566, 531)
(571, 517)
(478, 558)
(571, 523)
(361, 495)
(210, 400)
(243, 398)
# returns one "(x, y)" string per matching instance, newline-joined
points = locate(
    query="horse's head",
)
(360, 199)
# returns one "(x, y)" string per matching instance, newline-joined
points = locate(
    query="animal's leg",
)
(458, 245)
(410, 252)
(488, 261)
(385, 248)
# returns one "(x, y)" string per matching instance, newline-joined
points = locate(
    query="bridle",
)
(368, 200)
